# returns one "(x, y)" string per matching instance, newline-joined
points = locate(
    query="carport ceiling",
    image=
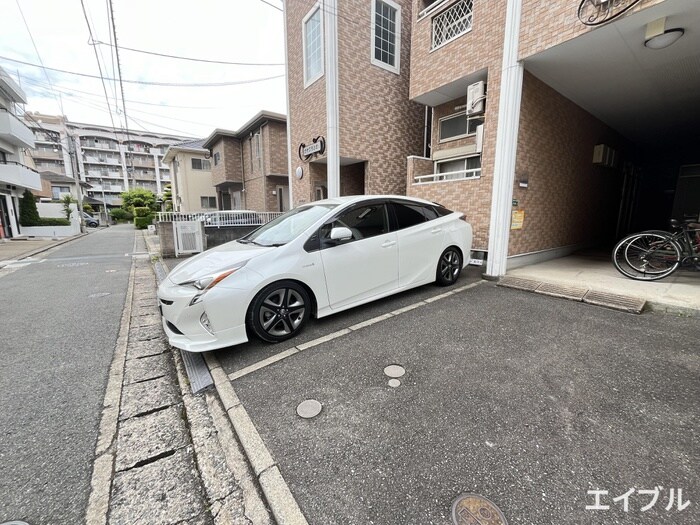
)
(647, 95)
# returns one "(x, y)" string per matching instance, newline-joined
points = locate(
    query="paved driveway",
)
(528, 400)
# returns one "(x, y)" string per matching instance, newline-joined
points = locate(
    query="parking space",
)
(241, 356)
(528, 400)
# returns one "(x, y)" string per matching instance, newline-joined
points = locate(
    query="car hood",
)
(218, 259)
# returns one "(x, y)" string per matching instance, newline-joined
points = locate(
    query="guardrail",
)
(221, 218)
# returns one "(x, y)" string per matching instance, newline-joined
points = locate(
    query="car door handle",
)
(436, 230)
(388, 244)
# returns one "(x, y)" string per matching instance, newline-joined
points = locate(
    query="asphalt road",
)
(528, 400)
(59, 321)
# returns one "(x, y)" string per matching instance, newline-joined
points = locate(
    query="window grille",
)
(452, 22)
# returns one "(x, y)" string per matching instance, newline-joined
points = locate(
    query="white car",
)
(315, 260)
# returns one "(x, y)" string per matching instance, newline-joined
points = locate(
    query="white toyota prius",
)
(315, 260)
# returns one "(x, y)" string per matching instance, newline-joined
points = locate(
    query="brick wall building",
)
(495, 109)
(249, 166)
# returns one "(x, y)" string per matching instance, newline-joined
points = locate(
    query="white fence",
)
(450, 175)
(189, 237)
(221, 218)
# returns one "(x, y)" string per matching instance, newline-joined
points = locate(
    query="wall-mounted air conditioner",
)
(476, 96)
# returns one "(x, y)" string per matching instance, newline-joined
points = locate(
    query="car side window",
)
(408, 215)
(364, 222)
(430, 213)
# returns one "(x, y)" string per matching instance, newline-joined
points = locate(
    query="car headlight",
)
(204, 284)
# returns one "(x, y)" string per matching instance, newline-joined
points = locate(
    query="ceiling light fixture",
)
(658, 37)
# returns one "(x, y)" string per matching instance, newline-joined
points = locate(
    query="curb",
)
(282, 504)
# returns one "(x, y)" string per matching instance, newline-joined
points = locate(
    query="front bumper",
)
(225, 309)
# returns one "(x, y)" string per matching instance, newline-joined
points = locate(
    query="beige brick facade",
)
(379, 125)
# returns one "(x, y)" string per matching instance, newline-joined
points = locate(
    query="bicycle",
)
(654, 254)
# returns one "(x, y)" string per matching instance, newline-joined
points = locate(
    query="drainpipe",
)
(289, 111)
(330, 10)
(506, 144)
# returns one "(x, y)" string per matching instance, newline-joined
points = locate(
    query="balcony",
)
(14, 131)
(47, 154)
(17, 174)
(452, 23)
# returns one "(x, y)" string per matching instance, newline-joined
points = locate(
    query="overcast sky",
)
(248, 31)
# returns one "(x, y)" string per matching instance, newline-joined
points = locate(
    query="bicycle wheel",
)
(651, 256)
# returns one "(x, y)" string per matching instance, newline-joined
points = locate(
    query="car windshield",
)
(287, 227)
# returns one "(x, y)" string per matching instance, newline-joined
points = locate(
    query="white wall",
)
(53, 209)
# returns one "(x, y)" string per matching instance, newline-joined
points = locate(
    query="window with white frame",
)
(456, 169)
(458, 125)
(57, 191)
(312, 34)
(386, 35)
(201, 164)
(208, 203)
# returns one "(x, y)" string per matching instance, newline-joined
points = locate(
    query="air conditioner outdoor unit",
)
(475, 98)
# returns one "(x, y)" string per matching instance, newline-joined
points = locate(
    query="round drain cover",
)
(473, 509)
(309, 408)
(394, 383)
(394, 371)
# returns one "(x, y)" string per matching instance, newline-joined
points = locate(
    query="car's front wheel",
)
(279, 311)
(449, 267)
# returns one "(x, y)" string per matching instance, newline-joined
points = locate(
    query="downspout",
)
(262, 164)
(506, 144)
(289, 111)
(243, 192)
(330, 9)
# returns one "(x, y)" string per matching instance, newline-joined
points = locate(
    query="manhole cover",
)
(473, 509)
(394, 383)
(309, 408)
(98, 295)
(394, 371)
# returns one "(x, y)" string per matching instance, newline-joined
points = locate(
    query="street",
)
(59, 320)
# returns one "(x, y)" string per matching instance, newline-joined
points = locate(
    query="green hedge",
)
(142, 223)
(120, 214)
(142, 212)
(51, 221)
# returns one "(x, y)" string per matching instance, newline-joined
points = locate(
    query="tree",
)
(138, 198)
(66, 201)
(28, 214)
(168, 197)
(88, 208)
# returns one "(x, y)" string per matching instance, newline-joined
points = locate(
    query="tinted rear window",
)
(408, 215)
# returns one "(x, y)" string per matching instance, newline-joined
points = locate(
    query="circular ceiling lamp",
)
(665, 39)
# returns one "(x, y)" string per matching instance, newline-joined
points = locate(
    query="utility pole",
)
(75, 166)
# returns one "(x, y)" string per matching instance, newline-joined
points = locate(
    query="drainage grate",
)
(564, 291)
(519, 284)
(633, 305)
(197, 371)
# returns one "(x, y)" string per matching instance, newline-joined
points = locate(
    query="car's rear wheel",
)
(279, 311)
(449, 267)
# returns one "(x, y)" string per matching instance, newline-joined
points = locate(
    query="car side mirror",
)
(341, 234)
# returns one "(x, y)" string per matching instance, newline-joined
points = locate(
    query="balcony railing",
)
(448, 176)
(452, 23)
(222, 218)
(14, 131)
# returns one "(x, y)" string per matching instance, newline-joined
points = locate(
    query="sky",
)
(243, 31)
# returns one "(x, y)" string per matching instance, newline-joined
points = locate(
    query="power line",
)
(71, 92)
(177, 57)
(36, 49)
(271, 5)
(146, 83)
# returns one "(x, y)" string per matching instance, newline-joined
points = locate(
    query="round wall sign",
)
(300, 172)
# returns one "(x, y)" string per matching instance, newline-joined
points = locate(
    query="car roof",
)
(359, 198)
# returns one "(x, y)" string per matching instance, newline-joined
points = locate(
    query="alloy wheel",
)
(282, 312)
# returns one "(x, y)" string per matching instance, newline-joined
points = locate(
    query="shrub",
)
(66, 201)
(88, 208)
(120, 214)
(28, 214)
(142, 223)
(142, 212)
(51, 221)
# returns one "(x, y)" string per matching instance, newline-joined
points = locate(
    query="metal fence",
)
(221, 218)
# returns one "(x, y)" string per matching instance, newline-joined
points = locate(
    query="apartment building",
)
(249, 166)
(357, 93)
(15, 175)
(192, 185)
(552, 129)
(109, 159)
